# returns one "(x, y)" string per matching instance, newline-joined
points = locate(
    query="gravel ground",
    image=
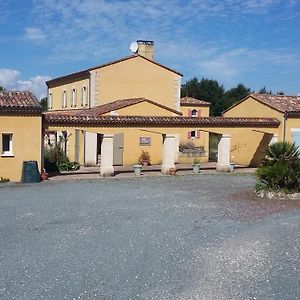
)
(180, 237)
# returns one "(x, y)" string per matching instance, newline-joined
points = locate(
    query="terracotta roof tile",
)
(12, 101)
(86, 72)
(118, 104)
(280, 102)
(124, 121)
(111, 106)
(189, 101)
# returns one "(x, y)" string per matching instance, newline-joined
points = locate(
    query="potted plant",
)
(232, 165)
(196, 165)
(144, 158)
(172, 171)
(137, 169)
(44, 175)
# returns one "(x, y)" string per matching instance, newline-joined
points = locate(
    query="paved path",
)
(167, 237)
(148, 171)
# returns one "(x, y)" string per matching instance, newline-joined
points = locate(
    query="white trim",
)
(295, 129)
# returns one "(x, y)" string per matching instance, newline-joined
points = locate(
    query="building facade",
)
(20, 133)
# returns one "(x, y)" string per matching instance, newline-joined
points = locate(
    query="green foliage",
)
(68, 166)
(211, 91)
(187, 145)
(282, 151)
(1, 88)
(44, 104)
(213, 146)
(3, 179)
(280, 169)
(196, 161)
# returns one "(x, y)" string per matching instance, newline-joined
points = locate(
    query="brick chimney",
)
(146, 49)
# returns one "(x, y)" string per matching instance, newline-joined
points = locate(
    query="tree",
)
(1, 88)
(232, 96)
(211, 91)
(44, 104)
(205, 89)
(263, 90)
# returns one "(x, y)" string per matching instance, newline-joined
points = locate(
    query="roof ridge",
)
(78, 73)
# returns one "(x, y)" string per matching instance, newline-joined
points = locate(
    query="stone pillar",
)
(107, 151)
(90, 158)
(168, 160)
(176, 148)
(223, 164)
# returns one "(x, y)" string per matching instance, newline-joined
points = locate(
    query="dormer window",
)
(194, 113)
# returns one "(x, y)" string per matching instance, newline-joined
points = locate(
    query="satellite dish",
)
(134, 47)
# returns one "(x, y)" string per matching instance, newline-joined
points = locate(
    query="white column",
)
(107, 150)
(90, 149)
(176, 148)
(168, 160)
(223, 164)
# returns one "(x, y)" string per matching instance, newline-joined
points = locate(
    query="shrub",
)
(280, 169)
(68, 166)
(3, 179)
(144, 158)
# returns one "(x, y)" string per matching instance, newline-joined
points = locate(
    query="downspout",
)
(285, 116)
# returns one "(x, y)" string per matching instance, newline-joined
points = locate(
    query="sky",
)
(253, 42)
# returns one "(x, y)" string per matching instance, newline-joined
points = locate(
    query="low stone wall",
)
(278, 195)
(188, 156)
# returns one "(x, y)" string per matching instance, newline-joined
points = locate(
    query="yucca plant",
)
(282, 151)
(280, 169)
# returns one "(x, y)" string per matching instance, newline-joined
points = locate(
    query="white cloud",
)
(34, 34)
(10, 80)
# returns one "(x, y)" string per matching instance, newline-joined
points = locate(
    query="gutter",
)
(285, 116)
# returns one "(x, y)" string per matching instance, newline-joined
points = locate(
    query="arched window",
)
(194, 113)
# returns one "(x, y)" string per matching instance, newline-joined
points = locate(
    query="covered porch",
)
(167, 129)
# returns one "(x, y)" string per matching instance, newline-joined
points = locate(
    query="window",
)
(50, 100)
(194, 113)
(74, 97)
(83, 96)
(195, 134)
(7, 147)
(64, 99)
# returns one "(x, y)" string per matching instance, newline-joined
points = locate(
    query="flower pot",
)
(172, 171)
(231, 167)
(44, 176)
(196, 168)
(137, 170)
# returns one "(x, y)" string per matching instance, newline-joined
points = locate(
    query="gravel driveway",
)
(185, 237)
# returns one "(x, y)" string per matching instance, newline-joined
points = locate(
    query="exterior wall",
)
(67, 85)
(247, 145)
(133, 78)
(202, 141)
(142, 109)
(27, 143)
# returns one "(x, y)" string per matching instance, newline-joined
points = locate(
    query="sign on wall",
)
(145, 141)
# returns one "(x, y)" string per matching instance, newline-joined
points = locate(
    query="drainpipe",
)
(285, 116)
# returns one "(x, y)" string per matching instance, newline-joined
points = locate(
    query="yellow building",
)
(194, 142)
(20, 132)
(247, 149)
(132, 86)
